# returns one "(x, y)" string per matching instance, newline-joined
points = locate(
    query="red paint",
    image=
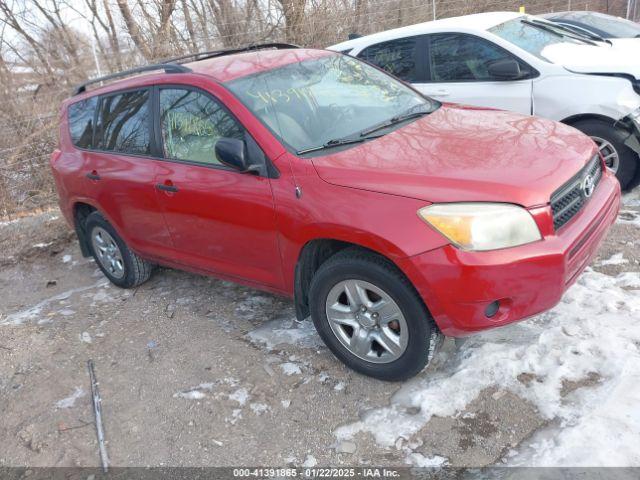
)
(251, 229)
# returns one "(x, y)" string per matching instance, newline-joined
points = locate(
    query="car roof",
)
(221, 69)
(230, 67)
(475, 22)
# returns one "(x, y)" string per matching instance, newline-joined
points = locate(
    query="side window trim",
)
(95, 122)
(272, 171)
(424, 63)
(533, 72)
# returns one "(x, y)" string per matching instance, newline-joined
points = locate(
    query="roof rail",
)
(219, 53)
(167, 67)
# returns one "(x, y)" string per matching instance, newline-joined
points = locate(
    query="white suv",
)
(525, 64)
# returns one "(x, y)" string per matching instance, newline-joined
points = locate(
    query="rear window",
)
(81, 116)
(124, 123)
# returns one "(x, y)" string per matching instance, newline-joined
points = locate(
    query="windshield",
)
(614, 27)
(311, 103)
(531, 38)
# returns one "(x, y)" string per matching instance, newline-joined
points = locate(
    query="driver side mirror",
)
(505, 69)
(233, 153)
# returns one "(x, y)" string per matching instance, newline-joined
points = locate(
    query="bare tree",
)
(151, 37)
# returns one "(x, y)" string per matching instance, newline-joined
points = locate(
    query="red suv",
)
(390, 218)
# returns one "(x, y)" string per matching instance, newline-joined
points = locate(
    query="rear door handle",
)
(167, 188)
(93, 176)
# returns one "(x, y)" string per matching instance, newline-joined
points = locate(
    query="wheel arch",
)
(571, 120)
(312, 255)
(81, 210)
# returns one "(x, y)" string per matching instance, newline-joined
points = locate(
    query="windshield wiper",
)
(408, 115)
(336, 142)
(553, 29)
(588, 35)
(366, 134)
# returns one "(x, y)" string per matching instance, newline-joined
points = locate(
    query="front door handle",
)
(93, 176)
(167, 188)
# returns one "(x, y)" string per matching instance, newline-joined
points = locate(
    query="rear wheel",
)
(371, 317)
(619, 158)
(117, 261)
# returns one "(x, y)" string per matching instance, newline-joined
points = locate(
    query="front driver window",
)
(462, 58)
(192, 122)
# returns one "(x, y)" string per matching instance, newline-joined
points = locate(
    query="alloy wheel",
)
(367, 321)
(108, 252)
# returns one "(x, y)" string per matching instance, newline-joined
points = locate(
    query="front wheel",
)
(371, 317)
(619, 158)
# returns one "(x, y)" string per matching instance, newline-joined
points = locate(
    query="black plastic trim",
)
(167, 67)
(196, 57)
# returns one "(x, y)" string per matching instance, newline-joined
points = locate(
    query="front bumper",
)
(458, 286)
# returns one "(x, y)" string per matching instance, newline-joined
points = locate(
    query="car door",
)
(220, 219)
(120, 170)
(458, 71)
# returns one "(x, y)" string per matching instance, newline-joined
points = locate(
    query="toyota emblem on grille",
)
(588, 185)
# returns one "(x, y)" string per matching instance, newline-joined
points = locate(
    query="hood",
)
(621, 57)
(464, 154)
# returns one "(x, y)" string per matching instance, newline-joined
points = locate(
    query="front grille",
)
(571, 197)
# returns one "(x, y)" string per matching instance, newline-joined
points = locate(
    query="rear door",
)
(120, 170)
(220, 219)
(457, 66)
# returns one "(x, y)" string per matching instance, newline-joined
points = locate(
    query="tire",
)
(417, 335)
(600, 130)
(130, 270)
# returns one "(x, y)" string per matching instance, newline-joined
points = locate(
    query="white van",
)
(525, 64)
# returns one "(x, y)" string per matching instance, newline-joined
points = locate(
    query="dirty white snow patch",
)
(287, 331)
(70, 401)
(310, 461)
(85, 337)
(259, 408)
(290, 368)
(241, 396)
(629, 217)
(195, 393)
(34, 312)
(419, 460)
(616, 259)
(594, 330)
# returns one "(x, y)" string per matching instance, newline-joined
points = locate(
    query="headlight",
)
(482, 226)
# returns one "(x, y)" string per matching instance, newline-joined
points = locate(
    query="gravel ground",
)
(194, 371)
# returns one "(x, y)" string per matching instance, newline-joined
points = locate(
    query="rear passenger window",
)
(124, 123)
(81, 115)
(398, 57)
(192, 122)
